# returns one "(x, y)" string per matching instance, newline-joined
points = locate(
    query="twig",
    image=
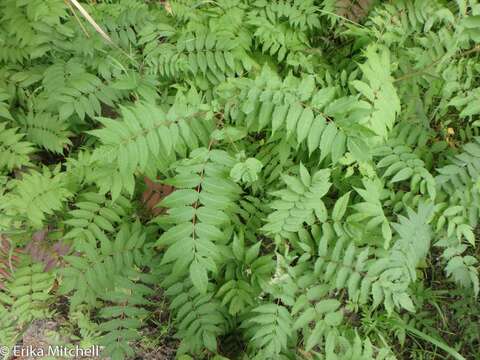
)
(76, 17)
(92, 22)
(98, 29)
(475, 49)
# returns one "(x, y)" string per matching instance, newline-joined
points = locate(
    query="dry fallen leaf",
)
(155, 193)
(168, 7)
(8, 258)
(354, 10)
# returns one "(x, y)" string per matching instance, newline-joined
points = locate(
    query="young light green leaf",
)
(340, 207)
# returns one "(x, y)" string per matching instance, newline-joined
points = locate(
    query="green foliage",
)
(107, 276)
(36, 195)
(124, 318)
(199, 317)
(27, 295)
(94, 274)
(14, 151)
(45, 130)
(271, 326)
(300, 203)
(313, 167)
(93, 217)
(150, 135)
(198, 210)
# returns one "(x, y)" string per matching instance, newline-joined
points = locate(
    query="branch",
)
(475, 49)
(92, 22)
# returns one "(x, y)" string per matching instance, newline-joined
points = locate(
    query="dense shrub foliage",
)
(300, 176)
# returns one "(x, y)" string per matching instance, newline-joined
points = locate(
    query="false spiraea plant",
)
(287, 179)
